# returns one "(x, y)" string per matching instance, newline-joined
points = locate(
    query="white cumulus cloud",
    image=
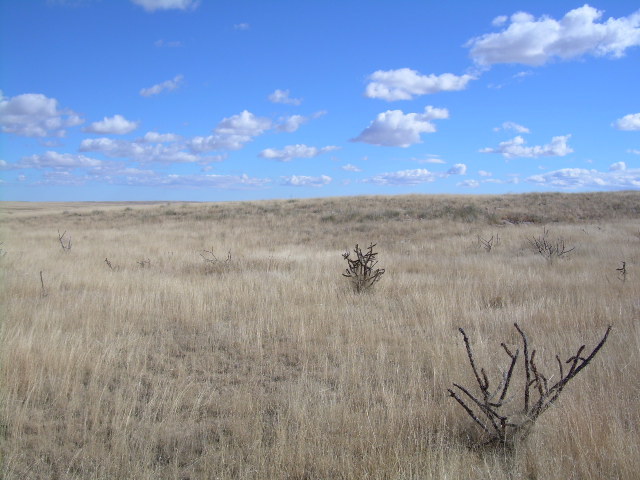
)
(457, 169)
(394, 128)
(575, 178)
(290, 152)
(405, 83)
(117, 125)
(35, 115)
(282, 96)
(232, 133)
(306, 181)
(167, 85)
(153, 5)
(244, 123)
(516, 148)
(618, 166)
(534, 41)
(628, 122)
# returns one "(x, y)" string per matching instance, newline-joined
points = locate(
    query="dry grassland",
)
(268, 365)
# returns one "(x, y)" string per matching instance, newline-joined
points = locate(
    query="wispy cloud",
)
(469, 184)
(415, 176)
(168, 43)
(153, 5)
(284, 96)
(291, 123)
(57, 160)
(618, 176)
(512, 126)
(305, 181)
(228, 182)
(167, 85)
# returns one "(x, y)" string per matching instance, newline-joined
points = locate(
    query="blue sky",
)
(237, 100)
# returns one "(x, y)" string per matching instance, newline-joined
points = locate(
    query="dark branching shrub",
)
(493, 410)
(549, 248)
(360, 269)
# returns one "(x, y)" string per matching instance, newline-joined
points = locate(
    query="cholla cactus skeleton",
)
(490, 409)
(361, 269)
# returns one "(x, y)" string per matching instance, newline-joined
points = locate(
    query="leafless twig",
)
(65, 246)
(44, 291)
(490, 243)
(622, 272)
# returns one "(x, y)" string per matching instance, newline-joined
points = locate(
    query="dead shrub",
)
(361, 269)
(495, 412)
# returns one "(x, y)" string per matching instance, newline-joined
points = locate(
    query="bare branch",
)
(44, 291)
(65, 246)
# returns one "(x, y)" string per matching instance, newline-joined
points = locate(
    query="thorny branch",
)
(361, 269)
(503, 425)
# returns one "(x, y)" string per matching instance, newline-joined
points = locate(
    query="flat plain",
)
(220, 340)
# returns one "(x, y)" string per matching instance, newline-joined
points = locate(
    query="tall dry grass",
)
(269, 366)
